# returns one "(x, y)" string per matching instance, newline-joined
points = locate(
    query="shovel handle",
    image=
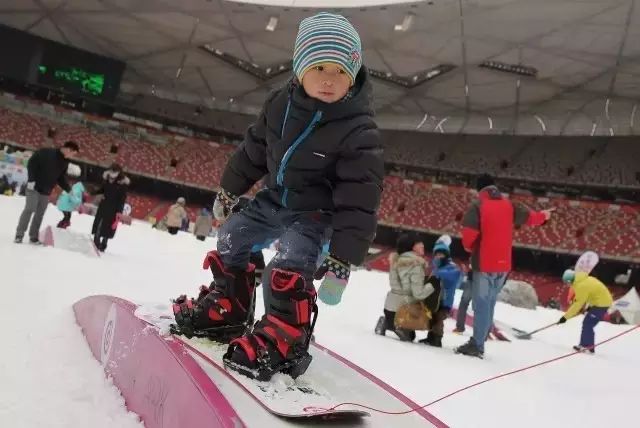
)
(525, 334)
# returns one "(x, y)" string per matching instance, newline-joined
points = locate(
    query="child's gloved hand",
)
(223, 205)
(335, 275)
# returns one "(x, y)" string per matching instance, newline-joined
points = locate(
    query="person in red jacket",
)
(487, 233)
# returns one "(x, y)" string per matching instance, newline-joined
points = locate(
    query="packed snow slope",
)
(48, 376)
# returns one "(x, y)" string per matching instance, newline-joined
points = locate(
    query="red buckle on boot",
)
(213, 257)
(215, 312)
(292, 302)
(284, 280)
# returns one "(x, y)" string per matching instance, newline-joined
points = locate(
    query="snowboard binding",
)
(185, 312)
(280, 340)
(264, 371)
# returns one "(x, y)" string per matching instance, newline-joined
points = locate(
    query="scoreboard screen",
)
(76, 79)
(32, 59)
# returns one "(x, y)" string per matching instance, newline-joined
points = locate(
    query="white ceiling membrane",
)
(322, 3)
(586, 56)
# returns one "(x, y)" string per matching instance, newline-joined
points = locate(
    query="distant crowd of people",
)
(421, 297)
(48, 167)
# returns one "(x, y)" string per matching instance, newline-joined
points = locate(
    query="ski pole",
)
(520, 334)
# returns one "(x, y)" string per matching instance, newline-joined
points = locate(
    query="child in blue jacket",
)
(450, 277)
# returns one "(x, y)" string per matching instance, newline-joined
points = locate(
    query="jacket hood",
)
(580, 276)
(117, 176)
(490, 192)
(357, 102)
(410, 256)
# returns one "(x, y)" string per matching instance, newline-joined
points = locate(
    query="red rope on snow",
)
(404, 412)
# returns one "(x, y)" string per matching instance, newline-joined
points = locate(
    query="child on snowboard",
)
(320, 150)
(588, 291)
(450, 277)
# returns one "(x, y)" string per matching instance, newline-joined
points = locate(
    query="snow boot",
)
(224, 310)
(97, 242)
(584, 349)
(470, 349)
(405, 335)
(432, 339)
(18, 239)
(280, 340)
(380, 326)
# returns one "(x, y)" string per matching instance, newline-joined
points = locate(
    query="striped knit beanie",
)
(327, 37)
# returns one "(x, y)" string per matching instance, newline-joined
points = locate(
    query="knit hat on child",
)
(327, 37)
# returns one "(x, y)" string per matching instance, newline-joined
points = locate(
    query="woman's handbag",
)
(413, 316)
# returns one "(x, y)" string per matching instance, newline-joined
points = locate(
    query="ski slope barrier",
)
(171, 384)
(69, 240)
(158, 380)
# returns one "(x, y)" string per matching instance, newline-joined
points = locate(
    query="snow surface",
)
(48, 376)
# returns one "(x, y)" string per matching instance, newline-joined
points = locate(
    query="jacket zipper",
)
(287, 155)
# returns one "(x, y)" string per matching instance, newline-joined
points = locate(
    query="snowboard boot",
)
(280, 340)
(380, 326)
(432, 339)
(470, 349)
(222, 311)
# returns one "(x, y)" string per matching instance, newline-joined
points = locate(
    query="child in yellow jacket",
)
(588, 291)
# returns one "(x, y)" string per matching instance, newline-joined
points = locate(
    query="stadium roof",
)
(584, 56)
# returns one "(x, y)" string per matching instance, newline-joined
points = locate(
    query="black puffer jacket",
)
(317, 156)
(48, 167)
(115, 196)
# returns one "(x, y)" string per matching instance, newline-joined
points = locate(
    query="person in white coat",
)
(407, 280)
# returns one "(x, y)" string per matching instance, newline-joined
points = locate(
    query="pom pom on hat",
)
(74, 170)
(568, 276)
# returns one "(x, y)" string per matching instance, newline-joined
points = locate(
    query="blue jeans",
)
(301, 235)
(484, 290)
(591, 319)
(463, 306)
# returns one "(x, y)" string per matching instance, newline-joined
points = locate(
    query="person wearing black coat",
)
(318, 151)
(114, 188)
(45, 168)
